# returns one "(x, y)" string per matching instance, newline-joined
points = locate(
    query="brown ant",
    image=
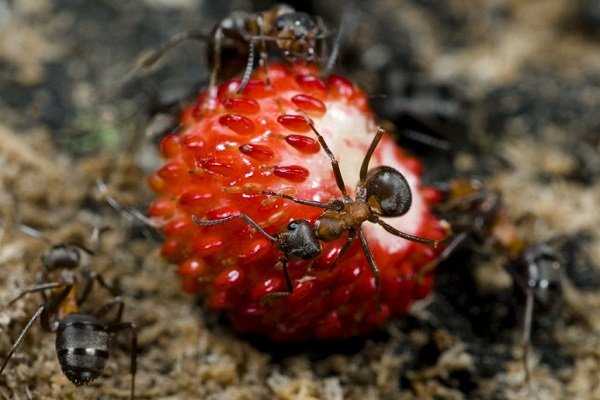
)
(295, 34)
(381, 192)
(83, 340)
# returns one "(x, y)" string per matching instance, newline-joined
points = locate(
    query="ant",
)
(83, 340)
(295, 34)
(381, 192)
(540, 276)
(469, 209)
(535, 268)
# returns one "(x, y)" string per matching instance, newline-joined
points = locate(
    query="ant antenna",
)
(148, 60)
(337, 44)
(428, 140)
(129, 211)
(34, 233)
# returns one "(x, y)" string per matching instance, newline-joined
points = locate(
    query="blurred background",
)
(507, 91)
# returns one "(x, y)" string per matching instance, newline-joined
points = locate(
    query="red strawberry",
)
(219, 161)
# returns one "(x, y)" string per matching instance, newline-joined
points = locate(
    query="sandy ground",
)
(514, 86)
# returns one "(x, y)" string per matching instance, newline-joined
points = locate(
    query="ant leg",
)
(115, 205)
(249, 66)
(175, 40)
(448, 250)
(34, 233)
(347, 245)
(102, 282)
(286, 274)
(52, 306)
(118, 327)
(87, 289)
(408, 236)
(288, 282)
(105, 309)
(262, 61)
(212, 84)
(90, 278)
(337, 43)
(244, 217)
(334, 162)
(17, 343)
(527, 322)
(96, 238)
(328, 206)
(369, 256)
(364, 168)
(427, 139)
(323, 47)
(39, 288)
(148, 60)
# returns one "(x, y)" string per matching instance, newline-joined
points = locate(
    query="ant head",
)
(297, 33)
(63, 256)
(300, 241)
(388, 192)
(543, 270)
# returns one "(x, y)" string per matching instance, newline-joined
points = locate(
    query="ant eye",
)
(298, 23)
(388, 192)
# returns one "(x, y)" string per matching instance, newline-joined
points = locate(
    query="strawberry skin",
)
(228, 150)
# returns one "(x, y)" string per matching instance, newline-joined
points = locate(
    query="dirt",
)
(509, 89)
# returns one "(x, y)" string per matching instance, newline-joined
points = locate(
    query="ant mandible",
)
(83, 340)
(381, 192)
(295, 34)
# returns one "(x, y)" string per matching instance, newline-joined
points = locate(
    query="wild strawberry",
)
(227, 152)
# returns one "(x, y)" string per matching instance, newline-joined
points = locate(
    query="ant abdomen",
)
(388, 192)
(82, 346)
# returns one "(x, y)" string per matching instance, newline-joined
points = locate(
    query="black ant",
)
(536, 268)
(381, 192)
(83, 340)
(297, 35)
(539, 274)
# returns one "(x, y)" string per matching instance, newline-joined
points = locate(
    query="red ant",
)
(381, 192)
(296, 35)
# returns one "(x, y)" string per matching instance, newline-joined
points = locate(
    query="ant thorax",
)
(333, 224)
(356, 212)
(330, 226)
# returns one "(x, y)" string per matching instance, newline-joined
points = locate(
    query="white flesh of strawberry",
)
(348, 132)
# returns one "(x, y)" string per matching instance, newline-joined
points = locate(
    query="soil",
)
(509, 91)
